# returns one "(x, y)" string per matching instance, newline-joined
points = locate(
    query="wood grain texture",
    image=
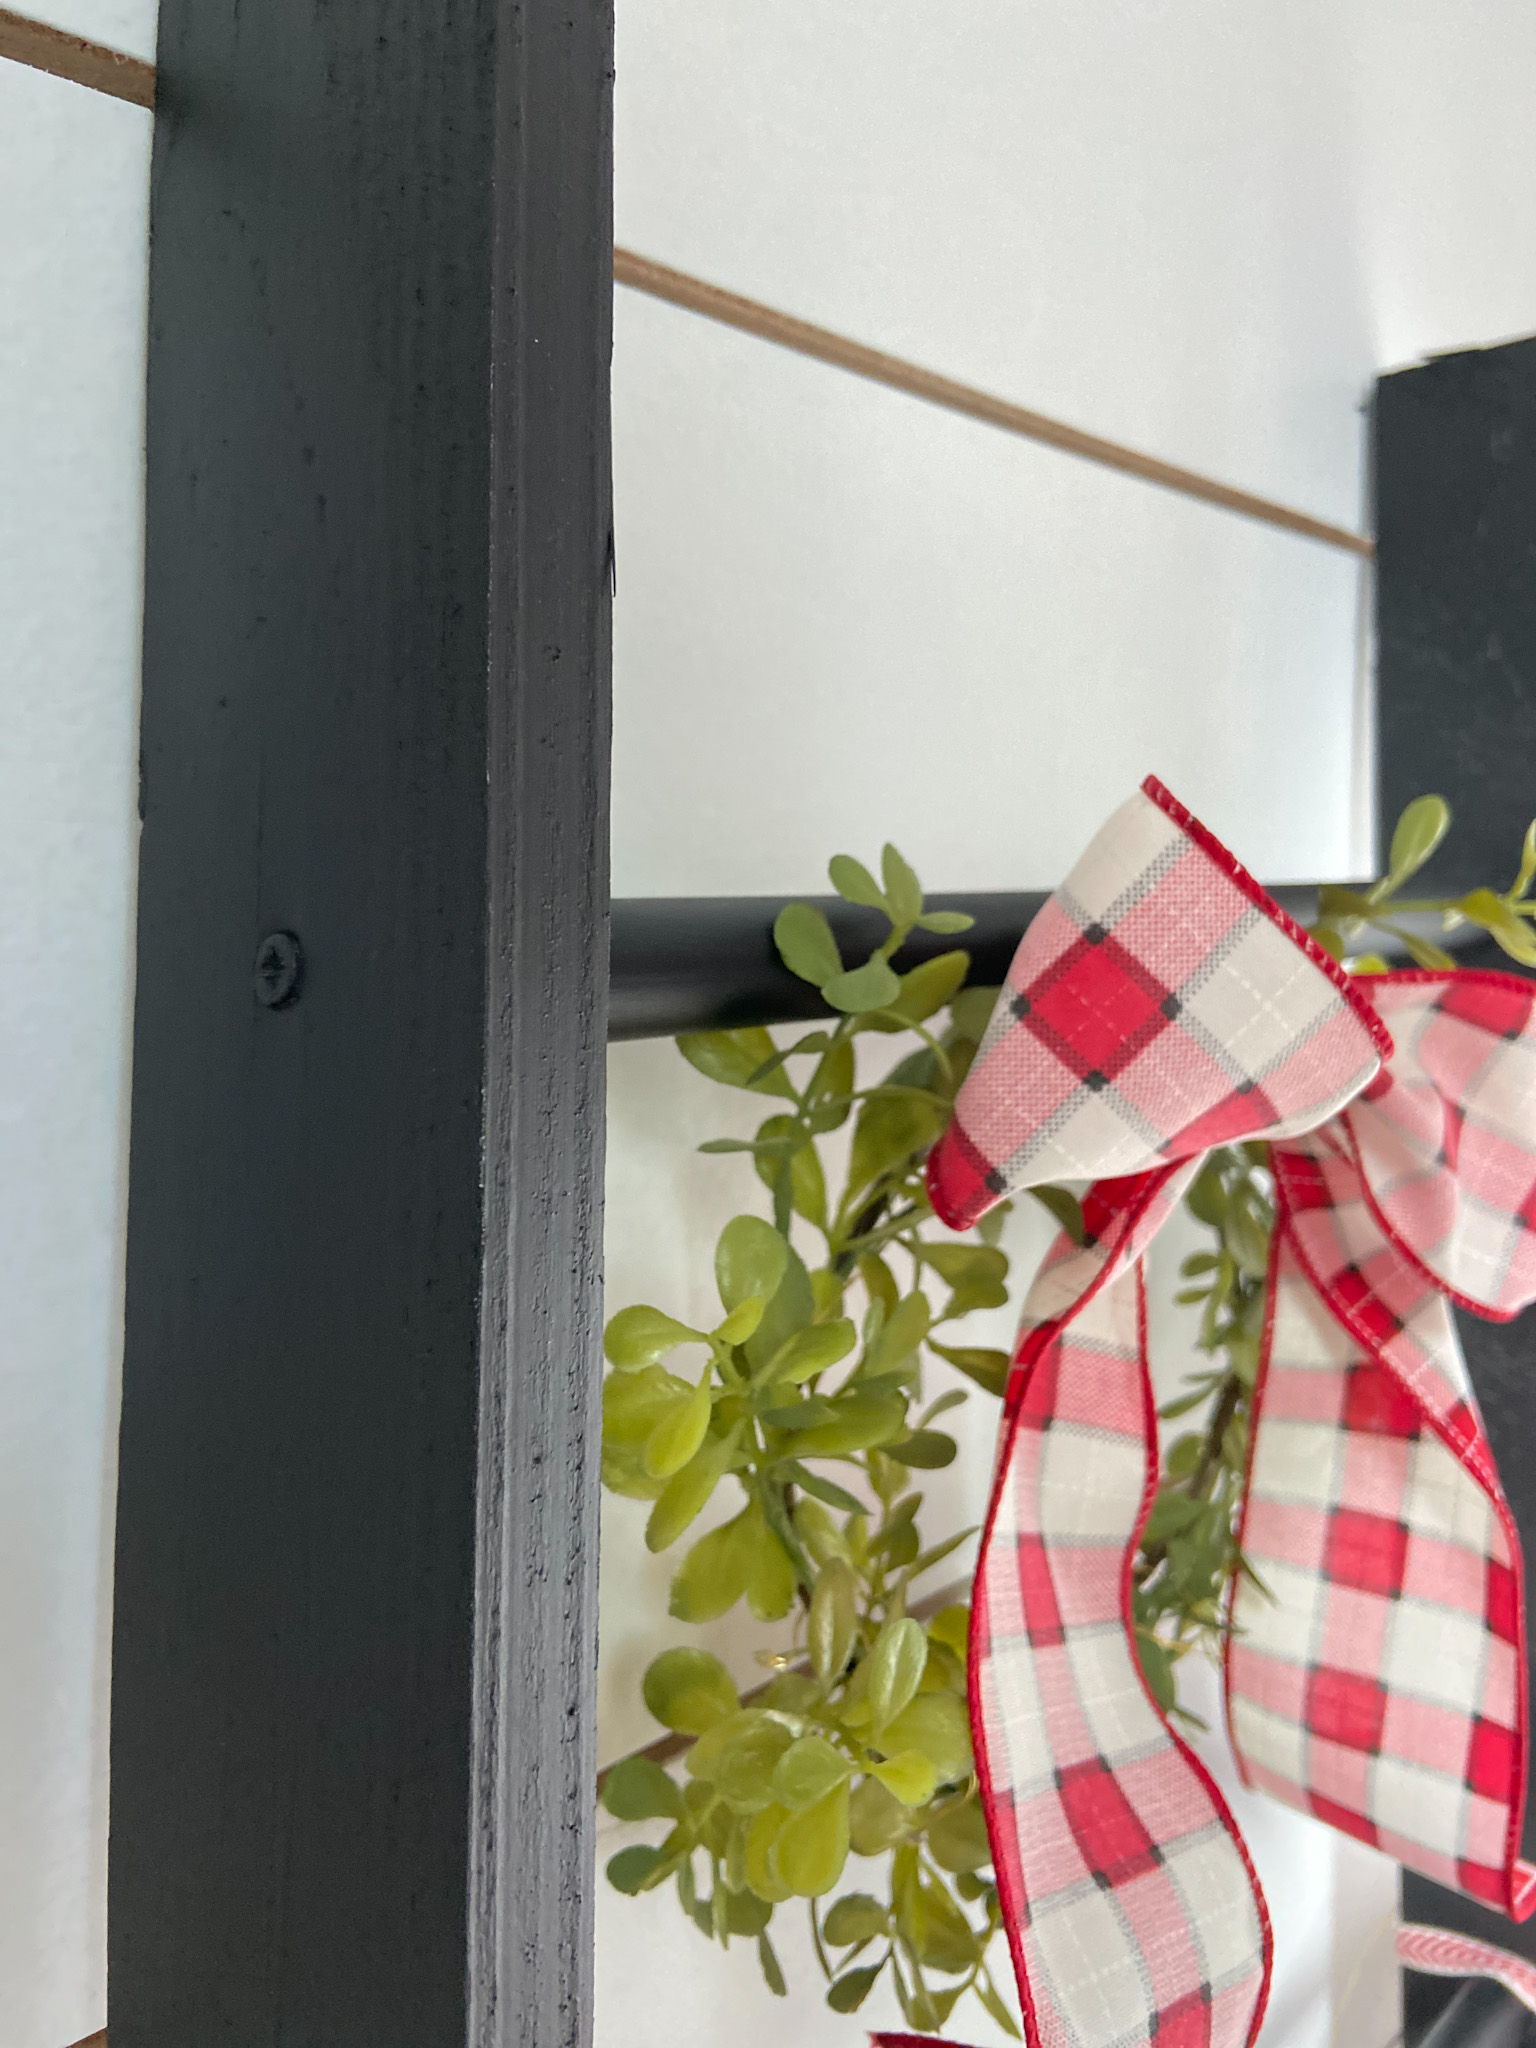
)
(354, 1648)
(1455, 490)
(533, 1821)
(44, 48)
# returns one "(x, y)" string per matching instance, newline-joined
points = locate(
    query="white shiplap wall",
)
(1196, 228)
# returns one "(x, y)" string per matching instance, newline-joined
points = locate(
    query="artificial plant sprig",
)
(808, 1395)
(1345, 915)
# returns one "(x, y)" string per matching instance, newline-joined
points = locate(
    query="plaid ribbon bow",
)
(1161, 1004)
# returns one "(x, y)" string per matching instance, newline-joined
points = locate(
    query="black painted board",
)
(354, 1642)
(1455, 492)
(1455, 499)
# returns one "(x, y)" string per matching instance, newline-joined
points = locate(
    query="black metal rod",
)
(708, 963)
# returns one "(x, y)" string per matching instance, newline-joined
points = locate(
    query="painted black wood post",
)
(352, 1741)
(1455, 490)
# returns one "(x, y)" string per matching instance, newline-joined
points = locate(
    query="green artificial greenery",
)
(809, 1395)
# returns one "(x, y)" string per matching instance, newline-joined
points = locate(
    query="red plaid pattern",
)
(1159, 1004)
(1380, 1687)
(1438, 1954)
(1447, 1132)
(1130, 1905)
(1162, 1004)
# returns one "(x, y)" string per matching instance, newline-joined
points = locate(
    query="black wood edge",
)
(708, 963)
(354, 1633)
(533, 1820)
(1454, 489)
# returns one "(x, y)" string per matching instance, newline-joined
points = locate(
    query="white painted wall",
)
(1194, 227)
(73, 191)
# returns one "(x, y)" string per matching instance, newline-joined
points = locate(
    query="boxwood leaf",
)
(903, 891)
(630, 1870)
(833, 1619)
(762, 1837)
(855, 1917)
(909, 1775)
(639, 1789)
(807, 1180)
(713, 1576)
(874, 986)
(791, 1307)
(687, 1492)
(773, 1976)
(930, 985)
(688, 1690)
(937, 1726)
(957, 1837)
(854, 883)
(734, 1058)
(680, 1431)
(895, 1670)
(805, 943)
(925, 1450)
(853, 1987)
(810, 1848)
(807, 1771)
(1417, 833)
(750, 1259)
(813, 1350)
(640, 1335)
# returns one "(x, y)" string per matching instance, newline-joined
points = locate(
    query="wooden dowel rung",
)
(43, 48)
(641, 274)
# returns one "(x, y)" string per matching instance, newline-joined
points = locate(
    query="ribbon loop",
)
(1161, 1005)
(1444, 1135)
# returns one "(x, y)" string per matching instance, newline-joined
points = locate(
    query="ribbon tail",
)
(1377, 1680)
(1437, 1953)
(888, 2040)
(911, 2041)
(1132, 1911)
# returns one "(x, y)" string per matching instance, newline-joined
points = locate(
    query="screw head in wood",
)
(275, 975)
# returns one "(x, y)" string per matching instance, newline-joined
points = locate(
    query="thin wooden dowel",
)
(96, 2041)
(641, 274)
(93, 65)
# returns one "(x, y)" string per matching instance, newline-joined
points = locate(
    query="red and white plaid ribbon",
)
(1161, 1004)
(1436, 1953)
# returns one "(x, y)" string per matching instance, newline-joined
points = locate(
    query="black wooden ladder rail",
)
(355, 1624)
